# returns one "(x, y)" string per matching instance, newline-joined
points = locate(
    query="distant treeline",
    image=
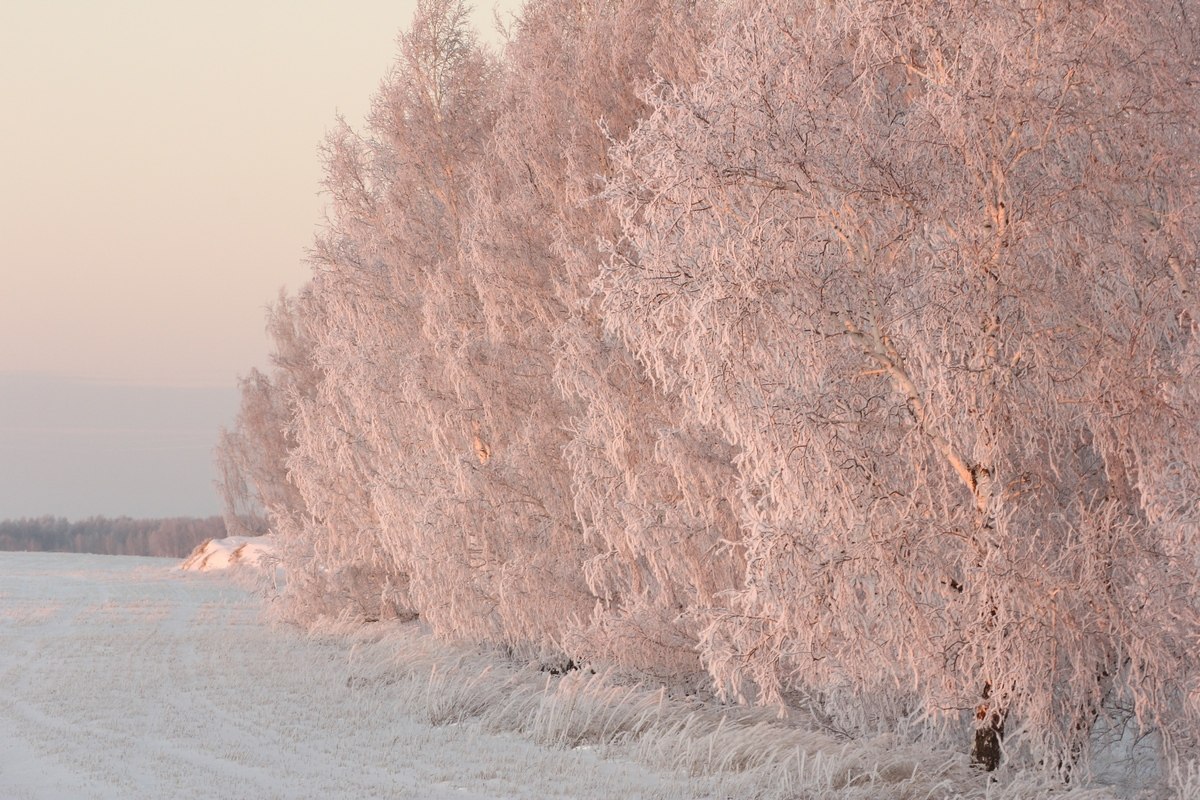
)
(172, 537)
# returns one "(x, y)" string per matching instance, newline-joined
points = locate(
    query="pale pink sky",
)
(159, 183)
(159, 173)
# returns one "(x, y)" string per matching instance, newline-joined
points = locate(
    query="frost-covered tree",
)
(252, 457)
(425, 415)
(367, 458)
(590, 428)
(930, 270)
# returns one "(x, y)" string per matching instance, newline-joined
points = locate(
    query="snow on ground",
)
(123, 679)
(214, 554)
(126, 678)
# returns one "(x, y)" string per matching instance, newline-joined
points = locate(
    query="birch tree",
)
(251, 458)
(367, 456)
(931, 273)
(589, 427)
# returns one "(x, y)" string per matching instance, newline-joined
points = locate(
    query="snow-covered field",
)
(124, 679)
(127, 678)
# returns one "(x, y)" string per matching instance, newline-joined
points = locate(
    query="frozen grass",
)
(721, 751)
(1187, 777)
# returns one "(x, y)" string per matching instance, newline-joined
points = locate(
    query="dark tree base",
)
(986, 752)
(989, 730)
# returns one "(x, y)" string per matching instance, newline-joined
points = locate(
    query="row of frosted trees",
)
(846, 354)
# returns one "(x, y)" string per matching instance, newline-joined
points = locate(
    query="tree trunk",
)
(989, 731)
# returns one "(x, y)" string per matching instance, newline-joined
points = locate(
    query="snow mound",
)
(212, 554)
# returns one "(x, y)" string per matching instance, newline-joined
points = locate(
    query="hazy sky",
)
(159, 183)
